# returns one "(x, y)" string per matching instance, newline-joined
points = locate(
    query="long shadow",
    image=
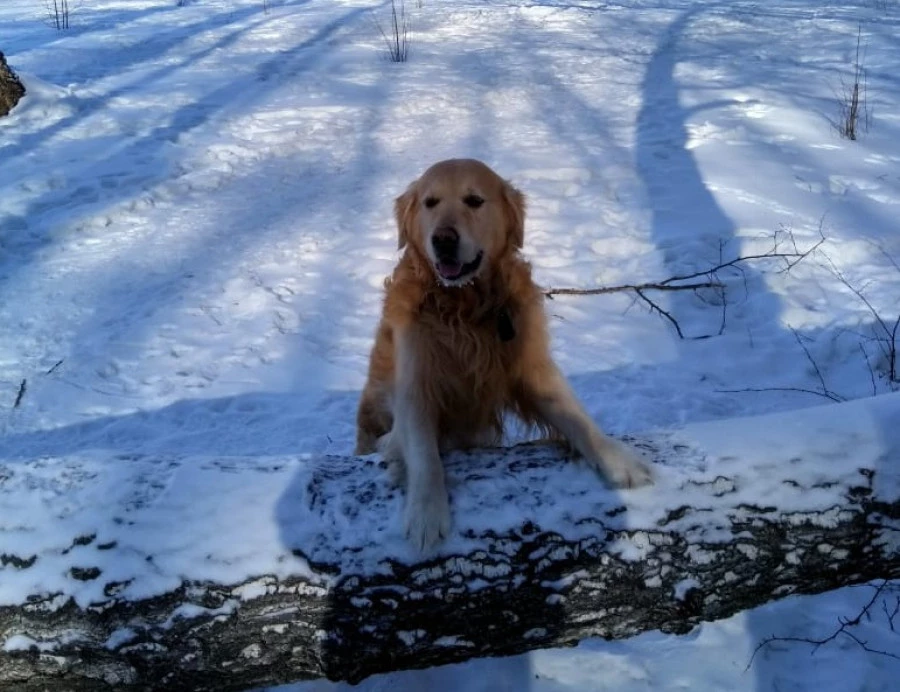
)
(114, 59)
(83, 21)
(339, 279)
(688, 226)
(239, 229)
(30, 229)
(155, 143)
(30, 232)
(199, 428)
(687, 220)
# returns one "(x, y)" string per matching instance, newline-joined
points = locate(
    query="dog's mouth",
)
(454, 272)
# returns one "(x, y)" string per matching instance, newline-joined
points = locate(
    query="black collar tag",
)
(505, 326)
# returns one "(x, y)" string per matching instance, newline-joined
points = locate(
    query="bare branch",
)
(688, 282)
(893, 613)
(893, 351)
(869, 366)
(888, 343)
(660, 311)
(859, 294)
(722, 322)
(826, 395)
(791, 259)
(653, 286)
(885, 253)
(23, 386)
(845, 624)
(825, 390)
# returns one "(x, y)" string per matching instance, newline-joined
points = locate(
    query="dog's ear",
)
(405, 208)
(514, 203)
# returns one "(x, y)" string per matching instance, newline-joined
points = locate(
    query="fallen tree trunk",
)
(223, 574)
(11, 89)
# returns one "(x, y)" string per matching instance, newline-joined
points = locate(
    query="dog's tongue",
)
(449, 270)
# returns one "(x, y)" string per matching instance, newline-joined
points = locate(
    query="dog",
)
(462, 342)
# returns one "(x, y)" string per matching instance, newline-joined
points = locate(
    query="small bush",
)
(854, 110)
(58, 11)
(396, 37)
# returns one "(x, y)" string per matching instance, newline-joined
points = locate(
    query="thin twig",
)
(792, 259)
(658, 286)
(893, 349)
(869, 366)
(815, 365)
(398, 40)
(674, 283)
(55, 365)
(859, 294)
(885, 253)
(686, 282)
(891, 615)
(889, 348)
(826, 395)
(724, 312)
(654, 306)
(23, 386)
(843, 629)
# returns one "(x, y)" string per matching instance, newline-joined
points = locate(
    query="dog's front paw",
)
(427, 521)
(623, 467)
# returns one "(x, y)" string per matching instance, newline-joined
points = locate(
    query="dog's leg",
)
(427, 517)
(392, 455)
(550, 395)
(372, 421)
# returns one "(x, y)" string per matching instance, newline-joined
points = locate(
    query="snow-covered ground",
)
(195, 220)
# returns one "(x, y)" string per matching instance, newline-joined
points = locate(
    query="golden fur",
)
(442, 374)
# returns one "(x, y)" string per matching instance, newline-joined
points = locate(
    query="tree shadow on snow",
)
(87, 192)
(686, 218)
(686, 221)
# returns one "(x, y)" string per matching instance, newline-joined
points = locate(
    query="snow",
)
(94, 522)
(195, 221)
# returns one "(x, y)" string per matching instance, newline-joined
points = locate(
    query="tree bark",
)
(737, 519)
(11, 88)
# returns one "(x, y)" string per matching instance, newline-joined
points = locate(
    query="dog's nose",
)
(445, 241)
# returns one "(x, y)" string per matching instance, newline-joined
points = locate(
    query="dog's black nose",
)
(445, 241)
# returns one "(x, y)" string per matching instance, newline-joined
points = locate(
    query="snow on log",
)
(124, 571)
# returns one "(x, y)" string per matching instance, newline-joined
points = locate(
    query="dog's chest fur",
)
(468, 341)
(473, 333)
(469, 356)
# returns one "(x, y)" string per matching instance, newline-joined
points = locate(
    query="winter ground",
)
(195, 222)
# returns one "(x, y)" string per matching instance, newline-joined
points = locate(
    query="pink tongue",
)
(448, 270)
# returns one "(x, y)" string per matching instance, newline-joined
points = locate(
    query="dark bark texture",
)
(11, 87)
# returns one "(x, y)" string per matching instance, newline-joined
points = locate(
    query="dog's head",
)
(461, 216)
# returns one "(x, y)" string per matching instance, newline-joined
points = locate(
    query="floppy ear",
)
(514, 203)
(405, 207)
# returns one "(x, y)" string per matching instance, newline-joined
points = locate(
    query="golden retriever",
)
(462, 341)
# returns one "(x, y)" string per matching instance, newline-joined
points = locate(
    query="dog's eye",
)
(473, 201)
(431, 202)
